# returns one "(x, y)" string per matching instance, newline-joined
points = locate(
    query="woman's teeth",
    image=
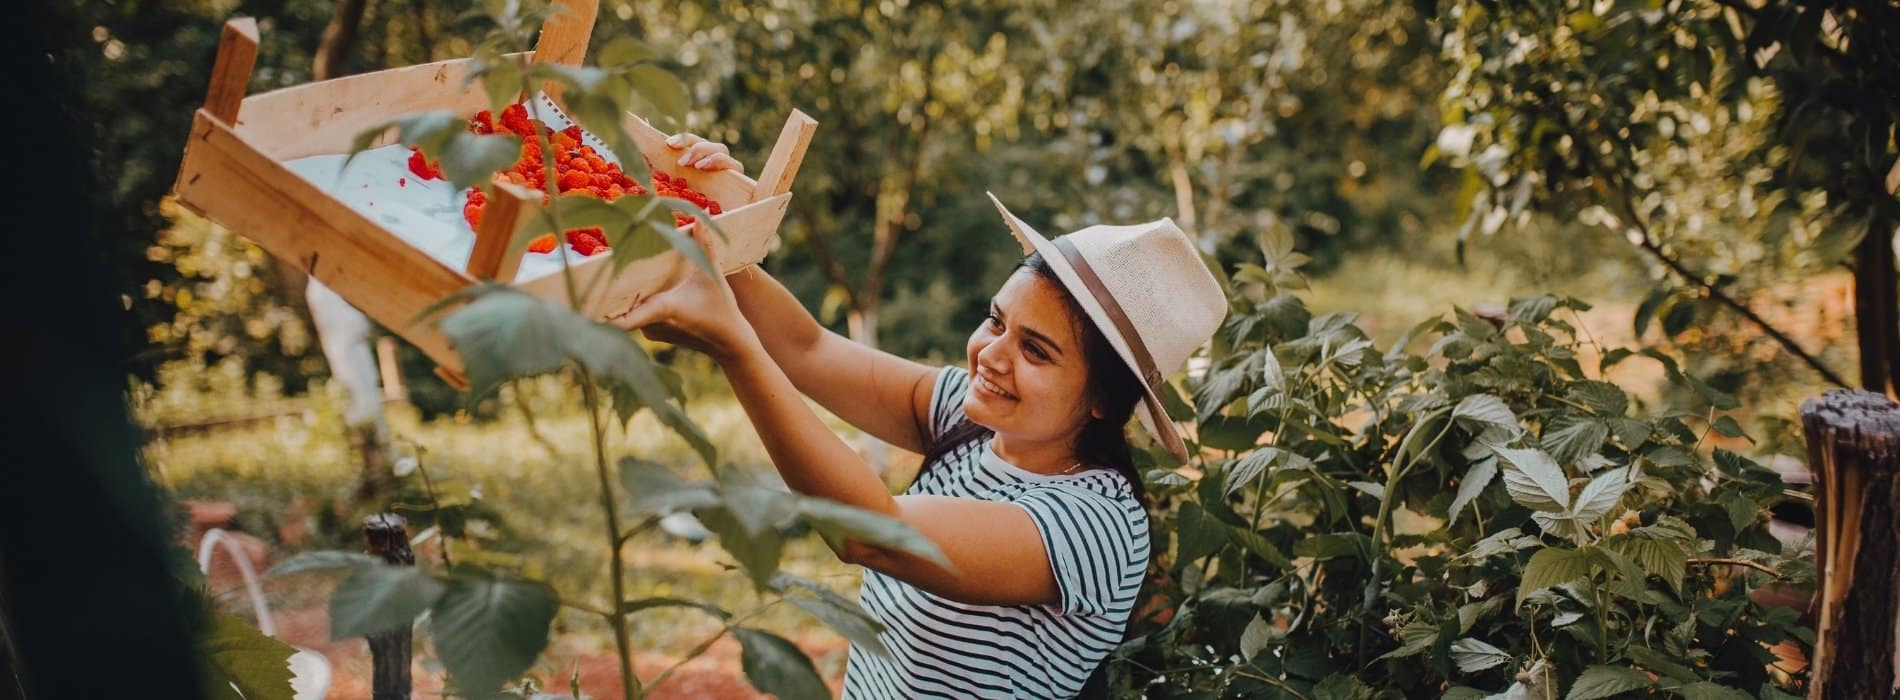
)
(987, 384)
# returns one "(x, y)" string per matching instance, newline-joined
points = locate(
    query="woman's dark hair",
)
(1112, 386)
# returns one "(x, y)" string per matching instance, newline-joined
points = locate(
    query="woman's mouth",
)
(991, 387)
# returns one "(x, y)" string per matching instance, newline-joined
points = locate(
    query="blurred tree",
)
(1737, 144)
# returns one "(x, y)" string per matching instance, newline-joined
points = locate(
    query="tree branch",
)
(826, 262)
(1737, 562)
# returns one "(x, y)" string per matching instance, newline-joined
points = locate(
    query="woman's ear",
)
(1096, 413)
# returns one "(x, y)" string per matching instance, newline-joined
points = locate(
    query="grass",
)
(298, 474)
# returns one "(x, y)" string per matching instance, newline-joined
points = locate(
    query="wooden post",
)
(231, 70)
(387, 536)
(1854, 451)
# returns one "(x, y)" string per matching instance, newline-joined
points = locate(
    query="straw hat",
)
(1146, 288)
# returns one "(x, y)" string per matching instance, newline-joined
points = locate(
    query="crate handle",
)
(231, 71)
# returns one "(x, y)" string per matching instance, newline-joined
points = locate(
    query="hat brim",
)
(1151, 412)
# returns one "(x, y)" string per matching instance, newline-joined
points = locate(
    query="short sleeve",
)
(1097, 546)
(946, 401)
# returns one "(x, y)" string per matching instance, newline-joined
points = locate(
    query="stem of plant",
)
(616, 567)
(1379, 535)
(435, 505)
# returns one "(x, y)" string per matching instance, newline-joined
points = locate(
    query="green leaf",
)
(1415, 638)
(1601, 494)
(1340, 686)
(654, 488)
(1254, 543)
(1477, 476)
(1605, 681)
(624, 51)
(1656, 661)
(1708, 690)
(1248, 468)
(326, 560)
(471, 159)
(776, 666)
(852, 622)
(757, 508)
(1603, 398)
(1552, 566)
(487, 632)
(1474, 655)
(379, 599)
(660, 88)
(1197, 533)
(1481, 411)
(603, 116)
(240, 662)
(635, 381)
(1255, 637)
(1727, 427)
(1220, 389)
(757, 553)
(840, 522)
(1533, 480)
(1569, 437)
(1665, 558)
(1678, 318)
(507, 334)
(836, 611)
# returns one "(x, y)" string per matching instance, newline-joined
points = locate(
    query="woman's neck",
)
(1040, 456)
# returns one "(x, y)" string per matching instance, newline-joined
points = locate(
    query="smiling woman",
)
(1027, 487)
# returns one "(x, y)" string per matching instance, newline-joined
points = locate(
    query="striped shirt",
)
(1096, 535)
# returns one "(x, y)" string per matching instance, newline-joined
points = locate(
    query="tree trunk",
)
(338, 40)
(1876, 309)
(1854, 450)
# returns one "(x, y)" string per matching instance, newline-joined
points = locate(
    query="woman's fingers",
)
(642, 314)
(683, 140)
(710, 155)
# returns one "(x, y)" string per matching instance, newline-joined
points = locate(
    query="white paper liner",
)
(426, 214)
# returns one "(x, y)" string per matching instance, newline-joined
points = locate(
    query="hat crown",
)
(1142, 280)
(1157, 278)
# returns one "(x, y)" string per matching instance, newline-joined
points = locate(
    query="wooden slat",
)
(325, 117)
(782, 166)
(231, 70)
(729, 188)
(494, 257)
(564, 37)
(227, 180)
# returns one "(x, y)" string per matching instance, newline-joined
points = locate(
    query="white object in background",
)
(344, 333)
(309, 671)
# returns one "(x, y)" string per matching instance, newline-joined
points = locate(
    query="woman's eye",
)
(994, 320)
(1036, 352)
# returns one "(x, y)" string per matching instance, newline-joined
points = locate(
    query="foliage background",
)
(1423, 155)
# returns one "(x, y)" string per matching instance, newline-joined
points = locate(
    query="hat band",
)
(1145, 362)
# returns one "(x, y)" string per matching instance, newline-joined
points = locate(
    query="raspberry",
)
(542, 244)
(422, 167)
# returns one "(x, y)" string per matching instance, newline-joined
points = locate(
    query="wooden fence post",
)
(387, 536)
(1854, 452)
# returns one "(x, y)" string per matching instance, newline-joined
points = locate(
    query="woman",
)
(1027, 485)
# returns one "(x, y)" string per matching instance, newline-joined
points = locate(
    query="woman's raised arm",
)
(880, 393)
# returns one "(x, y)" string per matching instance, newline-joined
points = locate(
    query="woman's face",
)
(1028, 374)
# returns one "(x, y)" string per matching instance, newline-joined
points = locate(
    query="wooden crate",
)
(234, 173)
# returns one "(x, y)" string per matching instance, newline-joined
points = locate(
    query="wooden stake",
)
(1854, 451)
(387, 536)
(231, 70)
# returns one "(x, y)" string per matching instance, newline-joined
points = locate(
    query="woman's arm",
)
(880, 393)
(994, 549)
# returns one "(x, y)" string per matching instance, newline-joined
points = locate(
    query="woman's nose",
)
(994, 356)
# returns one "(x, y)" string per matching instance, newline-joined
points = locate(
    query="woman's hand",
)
(706, 155)
(698, 313)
